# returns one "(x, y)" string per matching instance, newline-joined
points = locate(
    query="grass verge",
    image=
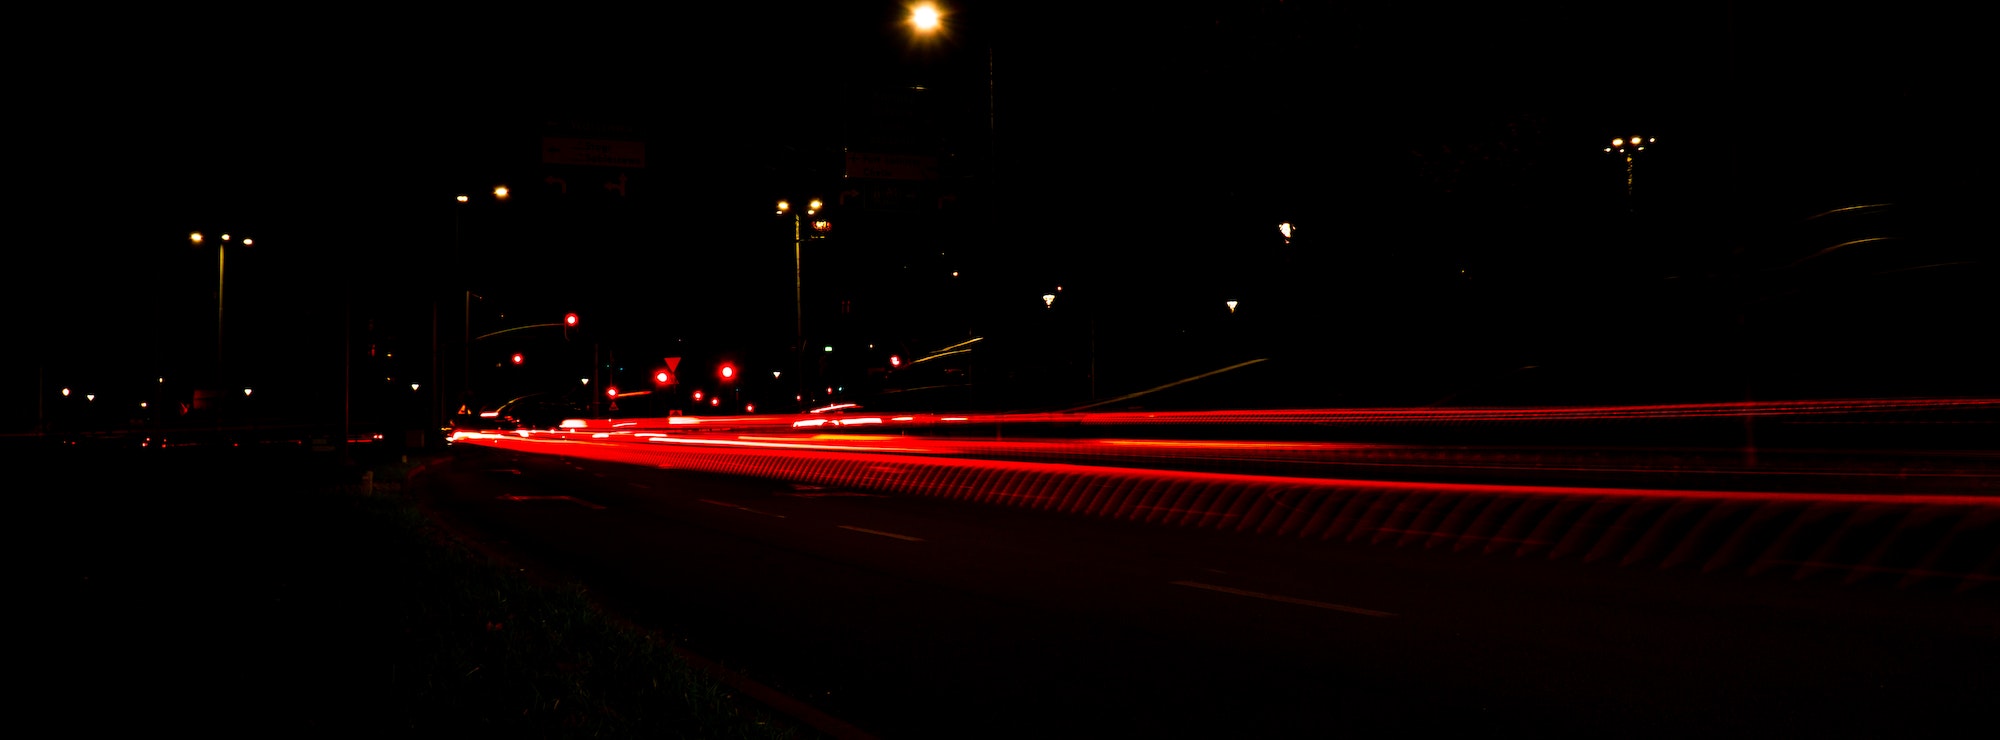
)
(242, 598)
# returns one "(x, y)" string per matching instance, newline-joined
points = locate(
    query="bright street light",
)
(926, 18)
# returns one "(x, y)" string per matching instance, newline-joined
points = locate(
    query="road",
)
(912, 616)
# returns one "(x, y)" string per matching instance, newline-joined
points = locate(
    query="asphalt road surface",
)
(909, 617)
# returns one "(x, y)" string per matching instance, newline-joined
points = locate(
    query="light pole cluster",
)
(1627, 147)
(802, 220)
(195, 239)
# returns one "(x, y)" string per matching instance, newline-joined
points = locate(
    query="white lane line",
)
(571, 499)
(1430, 533)
(1285, 599)
(903, 537)
(1879, 569)
(739, 507)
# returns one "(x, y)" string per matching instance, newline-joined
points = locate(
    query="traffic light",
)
(727, 371)
(517, 358)
(662, 377)
(569, 323)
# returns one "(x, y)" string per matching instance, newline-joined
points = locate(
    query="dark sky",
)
(1145, 149)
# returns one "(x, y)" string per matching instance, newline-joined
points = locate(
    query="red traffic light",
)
(517, 358)
(662, 377)
(611, 392)
(569, 319)
(728, 371)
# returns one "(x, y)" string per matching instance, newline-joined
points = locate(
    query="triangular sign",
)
(673, 364)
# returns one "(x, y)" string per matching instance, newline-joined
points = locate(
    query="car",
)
(534, 411)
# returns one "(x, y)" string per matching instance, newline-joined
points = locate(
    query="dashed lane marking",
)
(738, 507)
(903, 537)
(1285, 599)
(571, 499)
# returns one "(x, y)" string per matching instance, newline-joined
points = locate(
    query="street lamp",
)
(1626, 147)
(819, 225)
(926, 18)
(500, 193)
(929, 22)
(221, 248)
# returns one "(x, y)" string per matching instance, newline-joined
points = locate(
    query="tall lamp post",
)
(500, 193)
(221, 250)
(933, 23)
(928, 21)
(1627, 147)
(819, 226)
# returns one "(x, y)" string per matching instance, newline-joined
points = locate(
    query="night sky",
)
(1445, 166)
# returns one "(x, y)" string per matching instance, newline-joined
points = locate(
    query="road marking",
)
(1285, 599)
(738, 507)
(1880, 569)
(571, 499)
(1430, 533)
(903, 537)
